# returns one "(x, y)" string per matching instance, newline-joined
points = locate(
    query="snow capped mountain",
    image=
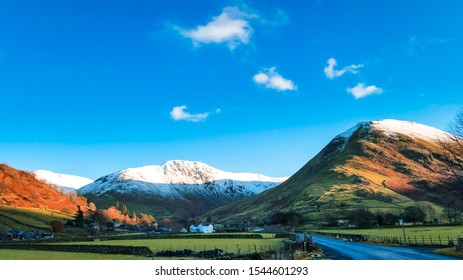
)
(179, 178)
(176, 188)
(391, 127)
(387, 164)
(65, 181)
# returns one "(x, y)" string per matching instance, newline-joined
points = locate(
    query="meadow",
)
(238, 244)
(229, 245)
(411, 231)
(8, 254)
(434, 236)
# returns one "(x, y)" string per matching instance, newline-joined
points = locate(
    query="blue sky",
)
(92, 87)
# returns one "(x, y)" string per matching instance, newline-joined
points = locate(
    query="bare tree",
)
(453, 148)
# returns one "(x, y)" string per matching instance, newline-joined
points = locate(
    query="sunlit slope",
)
(384, 166)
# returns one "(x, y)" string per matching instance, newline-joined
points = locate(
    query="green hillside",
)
(367, 170)
(31, 219)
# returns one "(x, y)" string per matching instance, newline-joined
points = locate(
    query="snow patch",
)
(61, 180)
(348, 133)
(412, 129)
(392, 127)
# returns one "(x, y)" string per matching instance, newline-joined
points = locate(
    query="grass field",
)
(432, 236)
(50, 255)
(30, 219)
(419, 231)
(227, 244)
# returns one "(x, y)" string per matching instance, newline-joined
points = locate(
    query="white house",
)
(204, 228)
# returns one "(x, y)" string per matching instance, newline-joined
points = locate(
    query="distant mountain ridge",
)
(62, 181)
(176, 188)
(381, 165)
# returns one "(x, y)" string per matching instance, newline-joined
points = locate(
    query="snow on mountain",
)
(179, 178)
(391, 127)
(64, 181)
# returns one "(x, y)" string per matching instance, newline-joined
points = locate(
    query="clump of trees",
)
(112, 214)
(289, 218)
(414, 214)
(361, 217)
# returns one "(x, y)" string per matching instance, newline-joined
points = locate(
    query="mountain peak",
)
(177, 187)
(412, 129)
(392, 127)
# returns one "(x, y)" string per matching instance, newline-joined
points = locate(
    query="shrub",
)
(57, 226)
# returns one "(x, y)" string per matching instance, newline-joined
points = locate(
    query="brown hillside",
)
(382, 171)
(22, 189)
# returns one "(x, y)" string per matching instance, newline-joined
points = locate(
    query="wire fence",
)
(410, 240)
(415, 240)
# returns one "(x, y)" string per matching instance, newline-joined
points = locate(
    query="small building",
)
(183, 230)
(203, 228)
(95, 226)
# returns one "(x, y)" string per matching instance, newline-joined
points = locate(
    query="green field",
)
(432, 236)
(50, 255)
(30, 219)
(229, 245)
(419, 231)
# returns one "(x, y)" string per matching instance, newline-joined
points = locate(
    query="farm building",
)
(204, 228)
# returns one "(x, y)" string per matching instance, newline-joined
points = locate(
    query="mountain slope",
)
(62, 181)
(383, 165)
(21, 189)
(176, 188)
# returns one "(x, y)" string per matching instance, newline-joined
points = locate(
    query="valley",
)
(366, 180)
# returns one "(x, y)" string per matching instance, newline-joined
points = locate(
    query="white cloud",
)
(178, 113)
(361, 90)
(273, 80)
(331, 73)
(231, 27)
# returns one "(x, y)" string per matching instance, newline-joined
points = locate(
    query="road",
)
(361, 251)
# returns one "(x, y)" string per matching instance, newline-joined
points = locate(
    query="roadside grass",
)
(229, 245)
(449, 252)
(6, 254)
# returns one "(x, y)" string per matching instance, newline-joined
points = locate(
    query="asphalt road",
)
(361, 251)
